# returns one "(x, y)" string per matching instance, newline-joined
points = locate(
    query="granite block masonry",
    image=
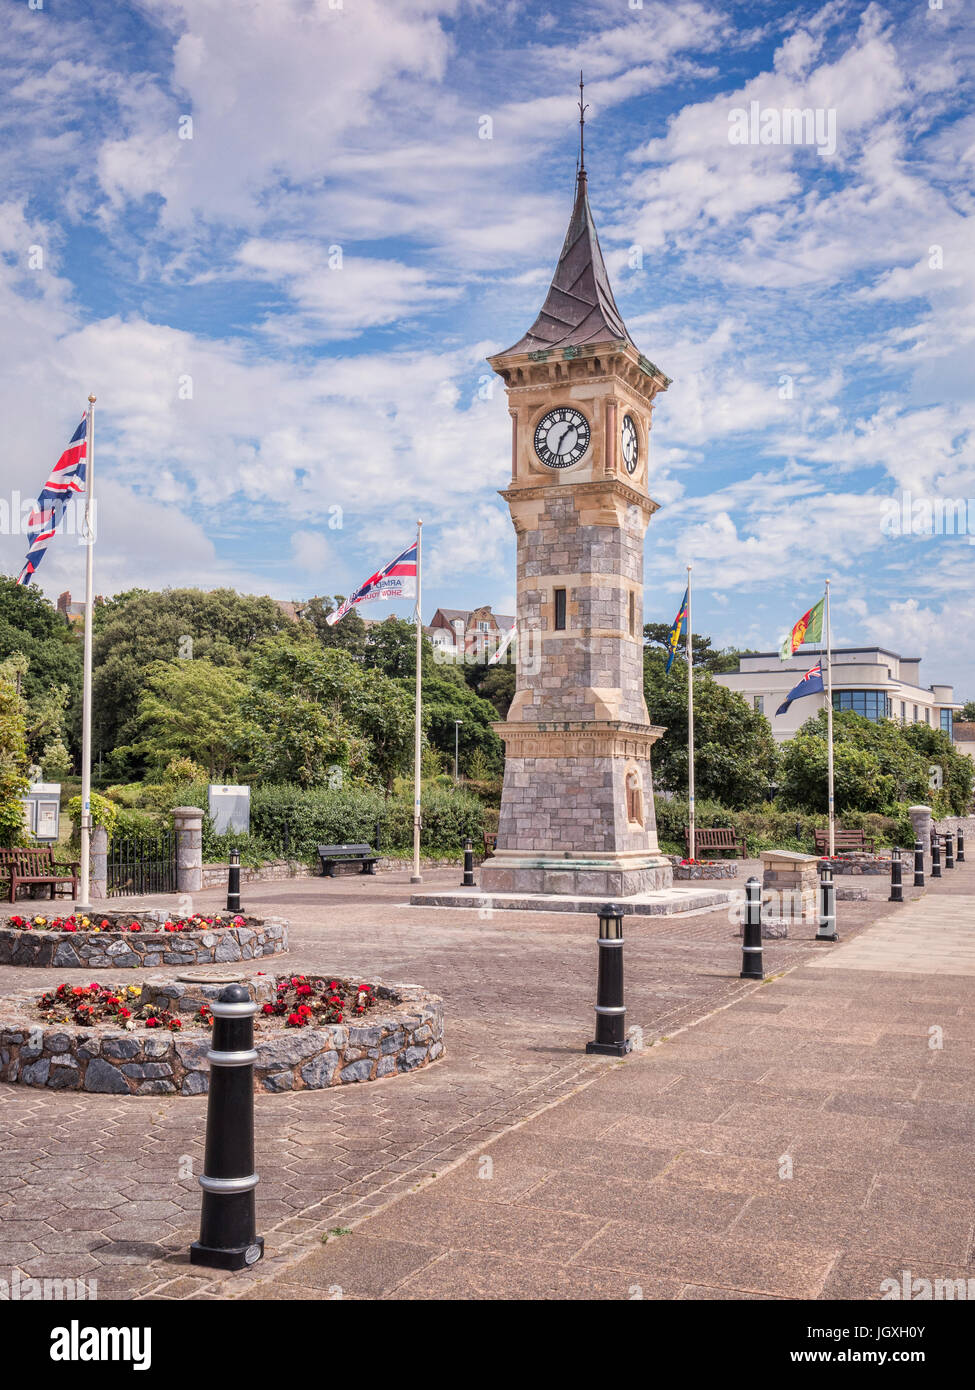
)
(577, 813)
(406, 1032)
(790, 885)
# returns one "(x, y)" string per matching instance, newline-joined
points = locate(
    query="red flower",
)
(303, 989)
(295, 1020)
(175, 1024)
(152, 1022)
(134, 926)
(268, 1009)
(124, 1012)
(304, 1010)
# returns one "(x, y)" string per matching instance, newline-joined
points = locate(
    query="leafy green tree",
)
(192, 710)
(13, 764)
(45, 716)
(137, 629)
(735, 757)
(391, 648)
(30, 626)
(880, 765)
(967, 712)
(656, 636)
(318, 716)
(446, 698)
(496, 684)
(349, 633)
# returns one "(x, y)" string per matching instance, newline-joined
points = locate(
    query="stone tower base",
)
(577, 875)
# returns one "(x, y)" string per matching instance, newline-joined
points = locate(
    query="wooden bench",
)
(330, 855)
(37, 866)
(715, 837)
(845, 841)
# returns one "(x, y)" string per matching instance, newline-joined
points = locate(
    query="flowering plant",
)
(73, 923)
(95, 1003)
(301, 1000)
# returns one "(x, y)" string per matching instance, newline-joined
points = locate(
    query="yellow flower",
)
(134, 989)
(84, 921)
(40, 921)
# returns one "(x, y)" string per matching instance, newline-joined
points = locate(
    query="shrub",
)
(334, 815)
(103, 812)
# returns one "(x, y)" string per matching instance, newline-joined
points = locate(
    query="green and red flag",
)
(809, 628)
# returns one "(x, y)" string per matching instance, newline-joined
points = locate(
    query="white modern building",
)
(867, 680)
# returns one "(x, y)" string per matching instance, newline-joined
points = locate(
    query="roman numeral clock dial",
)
(561, 437)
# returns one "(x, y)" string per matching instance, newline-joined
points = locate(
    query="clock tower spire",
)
(577, 813)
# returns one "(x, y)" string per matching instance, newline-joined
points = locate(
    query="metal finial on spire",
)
(583, 108)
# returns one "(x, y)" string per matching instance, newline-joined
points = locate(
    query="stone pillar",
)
(188, 822)
(98, 863)
(922, 819)
(790, 885)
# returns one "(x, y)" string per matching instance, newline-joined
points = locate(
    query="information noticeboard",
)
(230, 808)
(42, 811)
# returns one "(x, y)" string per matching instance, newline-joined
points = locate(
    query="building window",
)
(560, 610)
(483, 627)
(947, 722)
(927, 715)
(915, 714)
(872, 704)
(632, 613)
(903, 712)
(759, 704)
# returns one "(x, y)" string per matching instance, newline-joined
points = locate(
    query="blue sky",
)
(288, 313)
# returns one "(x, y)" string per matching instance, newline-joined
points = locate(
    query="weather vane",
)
(583, 108)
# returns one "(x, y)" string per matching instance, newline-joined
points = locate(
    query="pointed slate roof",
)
(579, 307)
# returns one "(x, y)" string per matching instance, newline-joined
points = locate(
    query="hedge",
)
(774, 827)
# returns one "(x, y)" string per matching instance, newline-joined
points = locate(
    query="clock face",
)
(562, 437)
(630, 444)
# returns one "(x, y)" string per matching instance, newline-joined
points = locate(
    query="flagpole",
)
(690, 724)
(415, 877)
(829, 732)
(84, 877)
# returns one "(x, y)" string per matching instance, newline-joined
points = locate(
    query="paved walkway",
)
(105, 1187)
(807, 1141)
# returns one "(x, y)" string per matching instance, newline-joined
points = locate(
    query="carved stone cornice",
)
(578, 739)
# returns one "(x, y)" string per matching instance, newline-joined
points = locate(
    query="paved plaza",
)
(519, 1167)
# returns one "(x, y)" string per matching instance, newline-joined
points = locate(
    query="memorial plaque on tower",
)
(577, 813)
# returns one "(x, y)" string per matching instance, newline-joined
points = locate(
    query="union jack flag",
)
(395, 580)
(811, 684)
(67, 478)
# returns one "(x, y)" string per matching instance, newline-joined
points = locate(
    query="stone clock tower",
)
(577, 811)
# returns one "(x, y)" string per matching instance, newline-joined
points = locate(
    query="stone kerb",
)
(405, 1035)
(790, 885)
(149, 947)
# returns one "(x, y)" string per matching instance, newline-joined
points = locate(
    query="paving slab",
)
(733, 1078)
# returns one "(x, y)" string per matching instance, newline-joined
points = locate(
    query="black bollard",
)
(827, 904)
(227, 1220)
(611, 1039)
(918, 863)
(935, 857)
(233, 882)
(960, 852)
(752, 967)
(468, 879)
(896, 885)
(949, 850)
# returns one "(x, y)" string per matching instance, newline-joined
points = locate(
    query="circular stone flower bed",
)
(703, 868)
(153, 1040)
(127, 940)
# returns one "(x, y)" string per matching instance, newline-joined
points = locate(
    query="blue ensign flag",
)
(811, 684)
